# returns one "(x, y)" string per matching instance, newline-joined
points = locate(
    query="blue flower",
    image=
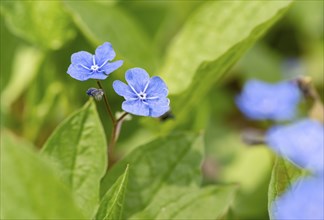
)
(303, 200)
(302, 143)
(86, 66)
(260, 100)
(144, 96)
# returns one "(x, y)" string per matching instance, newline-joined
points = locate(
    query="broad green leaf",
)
(179, 202)
(208, 39)
(111, 204)
(78, 149)
(29, 187)
(283, 175)
(210, 72)
(172, 160)
(111, 23)
(44, 24)
(25, 67)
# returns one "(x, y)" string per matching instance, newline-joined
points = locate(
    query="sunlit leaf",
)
(111, 205)
(101, 23)
(25, 67)
(207, 40)
(179, 202)
(44, 24)
(29, 187)
(172, 160)
(78, 149)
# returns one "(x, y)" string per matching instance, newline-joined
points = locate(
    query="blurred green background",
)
(38, 38)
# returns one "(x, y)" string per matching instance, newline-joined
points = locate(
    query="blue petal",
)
(123, 90)
(78, 72)
(100, 76)
(156, 88)
(260, 100)
(158, 106)
(104, 52)
(304, 200)
(82, 58)
(136, 107)
(111, 67)
(301, 143)
(137, 78)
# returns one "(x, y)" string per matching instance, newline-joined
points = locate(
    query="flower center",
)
(94, 67)
(142, 95)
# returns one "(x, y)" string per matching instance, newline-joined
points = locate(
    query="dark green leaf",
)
(44, 24)
(29, 187)
(111, 205)
(174, 160)
(78, 149)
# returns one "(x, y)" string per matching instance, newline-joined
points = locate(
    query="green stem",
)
(113, 139)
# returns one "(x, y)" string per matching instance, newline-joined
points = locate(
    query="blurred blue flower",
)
(95, 93)
(303, 200)
(302, 143)
(144, 96)
(86, 66)
(260, 100)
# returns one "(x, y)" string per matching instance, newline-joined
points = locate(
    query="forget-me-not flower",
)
(260, 100)
(302, 143)
(143, 95)
(86, 66)
(303, 200)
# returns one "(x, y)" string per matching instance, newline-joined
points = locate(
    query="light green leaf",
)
(42, 23)
(111, 23)
(25, 67)
(111, 205)
(172, 160)
(78, 149)
(211, 202)
(283, 175)
(208, 39)
(29, 187)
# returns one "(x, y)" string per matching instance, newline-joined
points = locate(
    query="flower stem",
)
(113, 120)
(113, 139)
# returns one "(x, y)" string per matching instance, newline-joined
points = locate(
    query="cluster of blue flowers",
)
(143, 95)
(301, 142)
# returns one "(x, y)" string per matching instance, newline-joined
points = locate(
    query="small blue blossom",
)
(86, 66)
(302, 143)
(303, 200)
(144, 96)
(260, 100)
(95, 93)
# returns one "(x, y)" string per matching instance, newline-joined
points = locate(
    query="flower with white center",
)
(86, 66)
(143, 95)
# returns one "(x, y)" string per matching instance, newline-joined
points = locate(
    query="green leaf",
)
(29, 187)
(44, 24)
(78, 149)
(208, 39)
(111, 205)
(283, 175)
(172, 160)
(111, 23)
(189, 203)
(25, 67)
